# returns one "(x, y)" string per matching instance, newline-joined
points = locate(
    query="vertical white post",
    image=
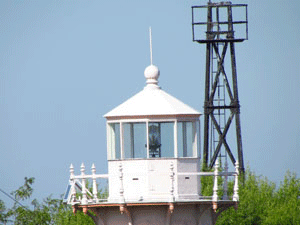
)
(198, 139)
(235, 196)
(175, 139)
(147, 133)
(84, 200)
(215, 188)
(72, 181)
(172, 182)
(184, 141)
(225, 187)
(131, 141)
(195, 144)
(122, 199)
(111, 138)
(122, 141)
(95, 191)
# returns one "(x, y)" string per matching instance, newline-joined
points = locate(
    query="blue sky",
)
(64, 64)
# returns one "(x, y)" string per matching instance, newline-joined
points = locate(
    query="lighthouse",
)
(154, 174)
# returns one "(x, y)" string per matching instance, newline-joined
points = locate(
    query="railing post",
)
(235, 196)
(72, 181)
(122, 199)
(172, 182)
(84, 200)
(215, 188)
(95, 191)
(225, 187)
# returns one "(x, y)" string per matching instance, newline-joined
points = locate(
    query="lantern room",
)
(147, 135)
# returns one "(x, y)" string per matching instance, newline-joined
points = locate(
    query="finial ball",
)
(151, 72)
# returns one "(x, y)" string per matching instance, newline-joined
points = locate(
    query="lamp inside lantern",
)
(154, 140)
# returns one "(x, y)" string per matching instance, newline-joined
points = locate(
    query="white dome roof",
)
(152, 101)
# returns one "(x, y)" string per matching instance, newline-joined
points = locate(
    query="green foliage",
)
(286, 206)
(65, 216)
(25, 191)
(262, 203)
(103, 193)
(50, 211)
(207, 184)
(3, 216)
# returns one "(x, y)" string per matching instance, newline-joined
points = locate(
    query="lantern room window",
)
(187, 139)
(161, 139)
(113, 141)
(152, 139)
(134, 140)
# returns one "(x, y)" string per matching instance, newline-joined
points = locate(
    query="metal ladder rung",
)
(221, 114)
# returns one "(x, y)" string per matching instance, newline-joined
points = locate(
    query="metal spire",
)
(150, 35)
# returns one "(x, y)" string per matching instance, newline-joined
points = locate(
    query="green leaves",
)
(50, 211)
(3, 216)
(286, 206)
(25, 191)
(262, 203)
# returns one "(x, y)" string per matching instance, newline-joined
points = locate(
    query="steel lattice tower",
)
(220, 31)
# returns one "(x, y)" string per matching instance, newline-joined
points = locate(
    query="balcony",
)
(83, 189)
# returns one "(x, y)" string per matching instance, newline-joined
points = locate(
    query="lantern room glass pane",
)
(167, 139)
(114, 147)
(135, 140)
(186, 139)
(161, 139)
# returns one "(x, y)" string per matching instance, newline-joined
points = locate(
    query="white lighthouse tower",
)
(153, 165)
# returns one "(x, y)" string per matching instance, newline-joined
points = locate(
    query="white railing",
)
(78, 191)
(216, 173)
